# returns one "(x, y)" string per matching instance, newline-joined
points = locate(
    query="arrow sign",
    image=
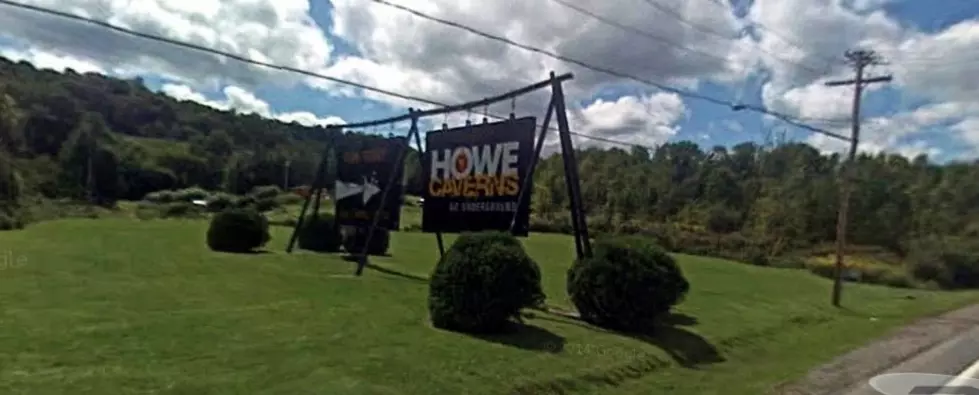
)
(369, 190)
(347, 189)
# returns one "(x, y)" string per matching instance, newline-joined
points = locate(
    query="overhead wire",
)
(365, 87)
(643, 33)
(614, 73)
(680, 18)
(830, 60)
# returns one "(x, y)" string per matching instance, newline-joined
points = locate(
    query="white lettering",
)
(441, 164)
(488, 160)
(510, 150)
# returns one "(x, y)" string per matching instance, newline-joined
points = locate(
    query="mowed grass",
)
(117, 306)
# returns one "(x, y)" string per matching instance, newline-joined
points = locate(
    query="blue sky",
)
(895, 27)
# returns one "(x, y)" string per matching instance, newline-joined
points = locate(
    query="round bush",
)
(482, 282)
(220, 201)
(238, 230)
(626, 285)
(354, 241)
(320, 234)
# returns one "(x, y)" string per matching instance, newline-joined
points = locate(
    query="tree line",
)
(100, 139)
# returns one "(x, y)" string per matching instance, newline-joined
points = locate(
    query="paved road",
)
(958, 356)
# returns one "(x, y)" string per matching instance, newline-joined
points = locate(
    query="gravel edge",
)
(901, 345)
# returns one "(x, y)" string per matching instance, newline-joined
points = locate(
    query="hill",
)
(748, 202)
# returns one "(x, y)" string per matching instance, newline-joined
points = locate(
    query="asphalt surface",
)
(953, 357)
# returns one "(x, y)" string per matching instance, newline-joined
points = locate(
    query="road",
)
(958, 356)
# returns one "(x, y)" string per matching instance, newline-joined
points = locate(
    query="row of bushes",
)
(936, 263)
(246, 229)
(179, 203)
(485, 279)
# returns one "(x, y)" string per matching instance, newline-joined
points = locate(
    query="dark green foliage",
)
(246, 202)
(191, 194)
(355, 238)
(11, 220)
(164, 196)
(238, 230)
(320, 233)
(266, 204)
(220, 202)
(266, 192)
(951, 263)
(626, 285)
(181, 210)
(483, 282)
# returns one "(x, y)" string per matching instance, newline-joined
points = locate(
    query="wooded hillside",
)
(776, 199)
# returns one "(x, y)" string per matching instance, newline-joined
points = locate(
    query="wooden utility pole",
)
(859, 59)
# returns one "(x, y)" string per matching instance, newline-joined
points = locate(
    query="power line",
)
(239, 58)
(632, 29)
(676, 15)
(681, 92)
(783, 37)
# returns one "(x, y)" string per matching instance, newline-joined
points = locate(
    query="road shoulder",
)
(942, 344)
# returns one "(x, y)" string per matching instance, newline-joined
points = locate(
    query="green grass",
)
(119, 306)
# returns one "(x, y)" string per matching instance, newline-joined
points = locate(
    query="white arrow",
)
(369, 191)
(347, 189)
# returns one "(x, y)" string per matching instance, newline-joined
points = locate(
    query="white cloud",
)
(245, 102)
(453, 66)
(401, 52)
(644, 120)
(49, 61)
(279, 31)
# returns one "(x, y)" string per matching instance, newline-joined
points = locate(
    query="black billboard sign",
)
(473, 176)
(363, 170)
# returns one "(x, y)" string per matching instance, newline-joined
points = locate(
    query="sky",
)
(773, 54)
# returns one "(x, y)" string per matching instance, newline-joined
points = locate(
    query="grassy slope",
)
(119, 306)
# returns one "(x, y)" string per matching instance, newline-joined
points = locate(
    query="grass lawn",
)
(118, 306)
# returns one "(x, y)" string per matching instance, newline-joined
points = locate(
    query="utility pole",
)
(285, 176)
(859, 59)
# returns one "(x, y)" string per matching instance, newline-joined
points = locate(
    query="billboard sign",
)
(363, 169)
(473, 176)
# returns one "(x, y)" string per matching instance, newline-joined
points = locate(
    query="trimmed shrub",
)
(220, 202)
(181, 210)
(190, 194)
(164, 196)
(353, 241)
(238, 230)
(265, 192)
(245, 202)
(320, 234)
(482, 282)
(266, 204)
(626, 285)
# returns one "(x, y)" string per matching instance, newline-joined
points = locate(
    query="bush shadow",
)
(526, 337)
(685, 347)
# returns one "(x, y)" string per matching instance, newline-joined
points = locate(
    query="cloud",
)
(450, 65)
(49, 61)
(930, 67)
(245, 102)
(279, 31)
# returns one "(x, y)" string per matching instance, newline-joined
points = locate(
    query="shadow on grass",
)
(686, 348)
(526, 337)
(409, 276)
